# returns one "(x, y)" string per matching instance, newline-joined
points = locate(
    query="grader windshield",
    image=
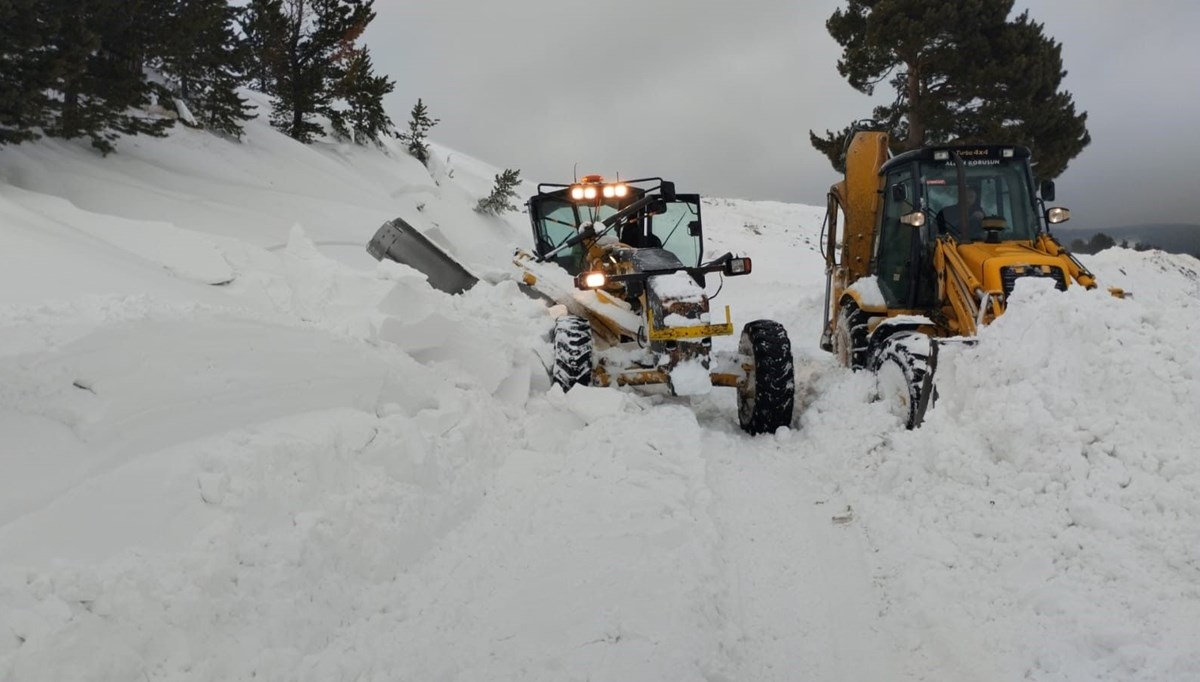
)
(673, 224)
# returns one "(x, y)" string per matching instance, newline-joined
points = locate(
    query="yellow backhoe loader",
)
(926, 246)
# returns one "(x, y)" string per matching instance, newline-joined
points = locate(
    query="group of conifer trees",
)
(965, 71)
(101, 68)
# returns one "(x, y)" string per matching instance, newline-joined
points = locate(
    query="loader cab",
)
(970, 194)
(671, 223)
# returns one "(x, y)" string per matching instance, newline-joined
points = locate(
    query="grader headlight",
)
(576, 192)
(590, 280)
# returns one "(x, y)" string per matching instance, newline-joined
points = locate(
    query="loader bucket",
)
(397, 240)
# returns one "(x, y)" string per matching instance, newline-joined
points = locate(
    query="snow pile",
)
(1045, 521)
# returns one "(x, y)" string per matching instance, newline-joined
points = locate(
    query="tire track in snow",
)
(796, 569)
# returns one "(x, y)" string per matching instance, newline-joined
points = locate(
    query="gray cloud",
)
(720, 96)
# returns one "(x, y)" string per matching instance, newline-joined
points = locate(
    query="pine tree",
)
(25, 72)
(962, 72)
(307, 73)
(263, 28)
(98, 53)
(362, 117)
(504, 191)
(206, 62)
(419, 126)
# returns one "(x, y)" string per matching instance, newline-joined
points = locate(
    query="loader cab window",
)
(678, 230)
(1002, 190)
(899, 258)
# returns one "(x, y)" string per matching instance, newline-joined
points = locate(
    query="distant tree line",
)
(1101, 241)
(102, 68)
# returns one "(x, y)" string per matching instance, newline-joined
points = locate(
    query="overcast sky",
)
(720, 95)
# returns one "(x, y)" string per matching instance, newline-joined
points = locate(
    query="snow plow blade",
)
(398, 241)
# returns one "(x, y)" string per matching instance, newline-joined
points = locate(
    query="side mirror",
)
(694, 228)
(1057, 215)
(899, 193)
(737, 266)
(657, 205)
(667, 189)
(1047, 190)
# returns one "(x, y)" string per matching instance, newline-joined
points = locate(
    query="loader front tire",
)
(572, 352)
(767, 393)
(904, 365)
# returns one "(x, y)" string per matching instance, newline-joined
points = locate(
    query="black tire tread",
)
(572, 352)
(774, 379)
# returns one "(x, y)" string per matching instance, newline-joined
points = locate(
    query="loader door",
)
(678, 228)
(902, 262)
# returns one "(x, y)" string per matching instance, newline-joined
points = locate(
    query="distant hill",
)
(1172, 238)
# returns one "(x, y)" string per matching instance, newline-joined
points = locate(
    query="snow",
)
(236, 447)
(691, 378)
(677, 286)
(869, 292)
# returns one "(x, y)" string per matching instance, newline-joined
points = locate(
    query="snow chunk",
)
(677, 320)
(691, 377)
(677, 286)
(868, 292)
(593, 403)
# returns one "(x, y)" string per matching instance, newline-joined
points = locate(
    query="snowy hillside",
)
(235, 447)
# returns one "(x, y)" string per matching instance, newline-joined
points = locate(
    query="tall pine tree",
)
(962, 72)
(263, 28)
(206, 63)
(359, 114)
(98, 53)
(25, 70)
(307, 72)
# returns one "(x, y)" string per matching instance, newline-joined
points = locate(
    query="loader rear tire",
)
(850, 336)
(572, 352)
(904, 365)
(767, 393)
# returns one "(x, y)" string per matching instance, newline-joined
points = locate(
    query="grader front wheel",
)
(767, 393)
